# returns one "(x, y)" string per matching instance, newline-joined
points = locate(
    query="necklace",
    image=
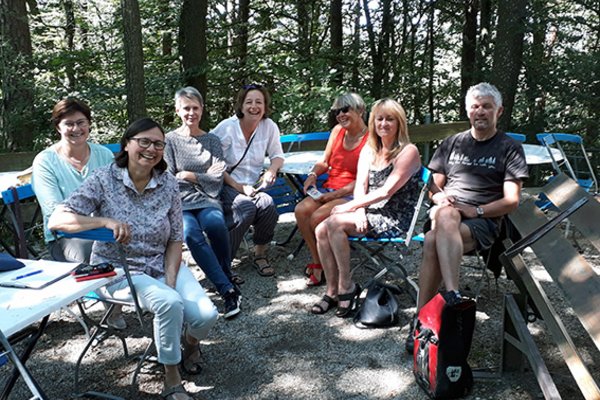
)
(351, 139)
(77, 163)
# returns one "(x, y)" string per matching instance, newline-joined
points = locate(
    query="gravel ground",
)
(276, 349)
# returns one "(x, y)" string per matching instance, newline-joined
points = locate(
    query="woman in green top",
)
(62, 167)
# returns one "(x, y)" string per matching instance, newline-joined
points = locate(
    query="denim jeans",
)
(214, 258)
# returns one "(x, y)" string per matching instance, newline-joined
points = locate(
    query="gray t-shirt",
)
(476, 171)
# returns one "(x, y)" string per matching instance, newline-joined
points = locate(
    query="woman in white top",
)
(246, 139)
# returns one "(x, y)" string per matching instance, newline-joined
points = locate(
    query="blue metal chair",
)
(114, 147)
(23, 225)
(517, 136)
(296, 139)
(373, 248)
(102, 329)
(575, 161)
(287, 192)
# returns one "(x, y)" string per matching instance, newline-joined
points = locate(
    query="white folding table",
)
(20, 308)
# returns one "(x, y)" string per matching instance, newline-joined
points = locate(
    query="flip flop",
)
(264, 270)
(194, 367)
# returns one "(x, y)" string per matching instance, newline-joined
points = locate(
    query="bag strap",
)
(395, 289)
(230, 170)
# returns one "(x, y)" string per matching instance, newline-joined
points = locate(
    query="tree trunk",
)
(378, 47)
(431, 75)
(485, 32)
(17, 130)
(468, 63)
(241, 39)
(192, 42)
(337, 43)
(508, 53)
(70, 38)
(134, 60)
(356, 47)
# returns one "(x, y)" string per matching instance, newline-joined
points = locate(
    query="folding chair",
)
(373, 248)
(296, 139)
(102, 329)
(517, 136)
(114, 147)
(293, 184)
(575, 161)
(25, 216)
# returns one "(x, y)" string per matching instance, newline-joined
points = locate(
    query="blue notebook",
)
(9, 263)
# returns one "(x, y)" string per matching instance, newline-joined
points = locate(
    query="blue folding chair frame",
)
(548, 139)
(22, 234)
(374, 248)
(106, 235)
(293, 139)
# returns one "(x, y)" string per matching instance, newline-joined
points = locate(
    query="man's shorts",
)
(484, 231)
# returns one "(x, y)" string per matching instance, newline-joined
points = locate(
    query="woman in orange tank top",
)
(339, 161)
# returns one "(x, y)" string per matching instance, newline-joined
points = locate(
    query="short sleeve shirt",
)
(154, 216)
(476, 170)
(265, 142)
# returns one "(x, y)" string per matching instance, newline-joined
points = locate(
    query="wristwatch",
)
(479, 211)
(312, 173)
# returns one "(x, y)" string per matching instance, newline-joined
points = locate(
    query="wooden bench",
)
(571, 273)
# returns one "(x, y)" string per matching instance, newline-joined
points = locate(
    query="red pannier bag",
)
(443, 337)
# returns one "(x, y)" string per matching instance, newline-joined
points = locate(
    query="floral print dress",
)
(391, 217)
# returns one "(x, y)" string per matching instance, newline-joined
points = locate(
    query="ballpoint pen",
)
(39, 271)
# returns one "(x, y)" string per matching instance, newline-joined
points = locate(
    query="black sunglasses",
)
(251, 86)
(337, 111)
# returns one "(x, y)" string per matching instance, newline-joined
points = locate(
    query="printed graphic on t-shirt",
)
(457, 158)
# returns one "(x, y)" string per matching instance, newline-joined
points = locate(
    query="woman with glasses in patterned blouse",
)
(138, 200)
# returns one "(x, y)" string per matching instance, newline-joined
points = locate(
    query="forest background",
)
(126, 59)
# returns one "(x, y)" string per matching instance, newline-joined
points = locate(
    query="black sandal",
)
(317, 308)
(345, 312)
(194, 367)
(237, 279)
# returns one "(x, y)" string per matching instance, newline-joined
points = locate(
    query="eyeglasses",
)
(82, 123)
(252, 86)
(145, 143)
(337, 111)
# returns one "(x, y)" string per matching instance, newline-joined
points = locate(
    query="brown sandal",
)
(169, 392)
(264, 270)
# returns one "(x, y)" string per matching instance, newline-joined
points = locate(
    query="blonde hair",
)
(402, 139)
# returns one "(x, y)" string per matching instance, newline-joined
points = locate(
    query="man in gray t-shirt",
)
(477, 177)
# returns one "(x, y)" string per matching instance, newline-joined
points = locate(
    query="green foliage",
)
(289, 52)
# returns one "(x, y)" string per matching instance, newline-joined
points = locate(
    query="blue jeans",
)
(213, 259)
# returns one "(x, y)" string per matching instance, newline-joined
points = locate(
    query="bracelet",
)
(312, 173)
